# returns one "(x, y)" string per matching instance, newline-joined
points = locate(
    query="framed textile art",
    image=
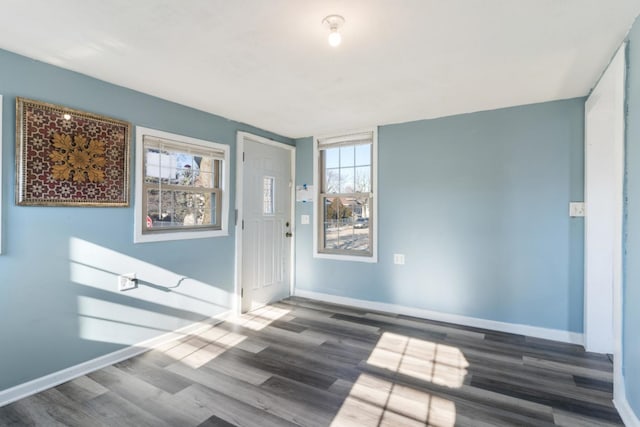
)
(66, 157)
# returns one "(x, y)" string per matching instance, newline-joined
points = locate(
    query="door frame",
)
(236, 302)
(592, 343)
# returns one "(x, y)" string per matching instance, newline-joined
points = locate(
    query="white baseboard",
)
(39, 384)
(629, 417)
(513, 328)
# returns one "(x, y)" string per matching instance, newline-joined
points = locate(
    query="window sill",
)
(178, 235)
(368, 259)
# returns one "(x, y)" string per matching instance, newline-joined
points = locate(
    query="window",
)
(181, 187)
(346, 213)
(268, 201)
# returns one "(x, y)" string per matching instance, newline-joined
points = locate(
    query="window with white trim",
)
(345, 173)
(181, 190)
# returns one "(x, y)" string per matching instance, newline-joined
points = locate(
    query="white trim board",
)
(629, 418)
(39, 384)
(512, 328)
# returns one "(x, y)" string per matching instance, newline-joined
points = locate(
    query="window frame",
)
(318, 217)
(188, 232)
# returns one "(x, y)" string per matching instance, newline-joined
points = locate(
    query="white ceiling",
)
(267, 63)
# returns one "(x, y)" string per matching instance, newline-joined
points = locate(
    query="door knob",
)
(288, 234)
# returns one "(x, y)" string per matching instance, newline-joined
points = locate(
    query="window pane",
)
(153, 207)
(332, 158)
(186, 170)
(169, 166)
(210, 214)
(176, 209)
(363, 155)
(183, 160)
(159, 165)
(267, 195)
(347, 156)
(160, 207)
(205, 175)
(333, 213)
(332, 180)
(363, 179)
(184, 176)
(346, 225)
(347, 180)
(183, 208)
(204, 179)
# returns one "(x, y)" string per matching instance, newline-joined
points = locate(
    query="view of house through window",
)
(346, 166)
(181, 187)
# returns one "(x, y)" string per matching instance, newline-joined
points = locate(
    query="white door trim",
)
(241, 137)
(613, 81)
(620, 59)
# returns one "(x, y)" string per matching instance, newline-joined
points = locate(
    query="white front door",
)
(266, 223)
(603, 192)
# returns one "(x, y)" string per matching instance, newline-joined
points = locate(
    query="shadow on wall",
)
(163, 301)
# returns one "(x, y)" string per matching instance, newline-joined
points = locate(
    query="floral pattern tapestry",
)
(66, 157)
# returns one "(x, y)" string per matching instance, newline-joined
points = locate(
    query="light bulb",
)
(334, 38)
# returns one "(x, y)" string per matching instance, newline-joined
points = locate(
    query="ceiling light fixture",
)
(334, 22)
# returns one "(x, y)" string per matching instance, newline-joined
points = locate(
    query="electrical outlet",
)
(127, 281)
(576, 209)
(304, 219)
(398, 259)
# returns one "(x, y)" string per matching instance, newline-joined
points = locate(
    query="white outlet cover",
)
(127, 281)
(304, 219)
(576, 209)
(398, 259)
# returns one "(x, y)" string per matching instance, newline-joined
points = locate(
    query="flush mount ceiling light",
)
(334, 22)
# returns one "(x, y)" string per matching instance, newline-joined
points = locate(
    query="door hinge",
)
(241, 292)
(236, 220)
(243, 156)
(243, 224)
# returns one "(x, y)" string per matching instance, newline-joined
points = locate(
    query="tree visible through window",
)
(346, 167)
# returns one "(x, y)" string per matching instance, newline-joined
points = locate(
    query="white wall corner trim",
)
(512, 328)
(629, 418)
(39, 384)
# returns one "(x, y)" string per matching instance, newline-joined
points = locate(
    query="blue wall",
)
(58, 304)
(631, 298)
(478, 203)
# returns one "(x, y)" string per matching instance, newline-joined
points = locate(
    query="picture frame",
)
(68, 157)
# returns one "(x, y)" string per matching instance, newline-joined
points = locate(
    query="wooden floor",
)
(301, 362)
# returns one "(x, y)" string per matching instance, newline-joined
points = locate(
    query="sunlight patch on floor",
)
(211, 343)
(261, 318)
(437, 363)
(374, 401)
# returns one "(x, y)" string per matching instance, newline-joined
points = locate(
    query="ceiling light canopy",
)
(334, 22)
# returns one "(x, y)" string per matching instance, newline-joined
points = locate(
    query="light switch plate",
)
(576, 209)
(398, 259)
(304, 219)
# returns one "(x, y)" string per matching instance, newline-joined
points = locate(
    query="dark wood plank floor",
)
(300, 362)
